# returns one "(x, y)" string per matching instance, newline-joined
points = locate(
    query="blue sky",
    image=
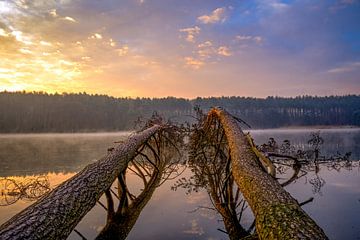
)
(187, 48)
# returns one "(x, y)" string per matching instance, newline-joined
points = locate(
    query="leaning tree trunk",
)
(57, 214)
(119, 226)
(278, 215)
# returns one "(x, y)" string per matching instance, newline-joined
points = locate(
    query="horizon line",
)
(165, 97)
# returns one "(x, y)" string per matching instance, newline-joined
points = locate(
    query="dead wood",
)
(57, 213)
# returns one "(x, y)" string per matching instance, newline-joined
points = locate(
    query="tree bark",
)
(277, 214)
(57, 213)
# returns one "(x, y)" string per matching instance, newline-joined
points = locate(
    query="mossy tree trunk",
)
(278, 215)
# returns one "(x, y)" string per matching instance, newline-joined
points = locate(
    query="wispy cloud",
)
(279, 6)
(53, 13)
(112, 42)
(205, 53)
(193, 63)
(218, 15)
(25, 51)
(20, 37)
(224, 51)
(275, 6)
(205, 50)
(69, 19)
(256, 39)
(348, 67)
(123, 51)
(348, 1)
(45, 43)
(96, 36)
(3, 33)
(191, 33)
(341, 4)
(205, 44)
(70, 45)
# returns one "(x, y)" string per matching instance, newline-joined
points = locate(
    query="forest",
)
(81, 112)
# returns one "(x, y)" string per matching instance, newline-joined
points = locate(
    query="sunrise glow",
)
(183, 49)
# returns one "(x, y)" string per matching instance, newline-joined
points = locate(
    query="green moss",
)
(284, 221)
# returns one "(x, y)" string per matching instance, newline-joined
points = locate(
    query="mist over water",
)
(23, 154)
(59, 156)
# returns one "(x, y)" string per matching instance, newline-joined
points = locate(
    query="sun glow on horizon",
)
(70, 46)
(12, 88)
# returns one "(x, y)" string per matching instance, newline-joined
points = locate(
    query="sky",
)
(181, 48)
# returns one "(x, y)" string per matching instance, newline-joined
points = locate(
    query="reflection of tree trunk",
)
(278, 215)
(210, 161)
(232, 224)
(153, 164)
(316, 152)
(119, 225)
(57, 214)
(227, 210)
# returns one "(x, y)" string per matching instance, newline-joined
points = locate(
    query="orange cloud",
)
(224, 51)
(218, 15)
(191, 33)
(193, 63)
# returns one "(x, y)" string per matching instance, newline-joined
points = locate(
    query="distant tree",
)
(79, 112)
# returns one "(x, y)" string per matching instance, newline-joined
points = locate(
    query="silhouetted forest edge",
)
(33, 112)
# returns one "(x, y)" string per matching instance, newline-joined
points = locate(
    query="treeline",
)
(42, 112)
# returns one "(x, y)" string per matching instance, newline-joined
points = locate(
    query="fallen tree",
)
(158, 160)
(277, 214)
(58, 212)
(210, 162)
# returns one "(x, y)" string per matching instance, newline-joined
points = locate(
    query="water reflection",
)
(169, 214)
(306, 159)
(157, 161)
(53, 179)
(335, 140)
(29, 189)
(209, 162)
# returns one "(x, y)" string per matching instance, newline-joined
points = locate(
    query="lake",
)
(175, 214)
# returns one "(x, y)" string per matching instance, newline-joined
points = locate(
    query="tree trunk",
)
(58, 213)
(119, 226)
(278, 215)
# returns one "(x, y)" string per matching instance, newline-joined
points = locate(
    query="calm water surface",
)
(169, 214)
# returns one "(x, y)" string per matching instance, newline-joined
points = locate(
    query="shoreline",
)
(320, 127)
(127, 132)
